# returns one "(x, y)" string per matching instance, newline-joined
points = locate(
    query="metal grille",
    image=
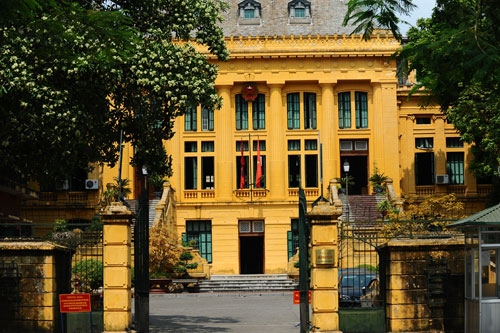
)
(9, 290)
(245, 226)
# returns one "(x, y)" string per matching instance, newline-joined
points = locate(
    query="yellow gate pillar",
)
(324, 271)
(117, 264)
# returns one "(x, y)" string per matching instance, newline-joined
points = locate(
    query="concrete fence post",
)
(324, 269)
(117, 268)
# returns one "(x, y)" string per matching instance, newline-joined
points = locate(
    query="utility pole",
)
(141, 259)
(303, 263)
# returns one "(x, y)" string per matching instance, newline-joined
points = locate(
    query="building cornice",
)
(311, 46)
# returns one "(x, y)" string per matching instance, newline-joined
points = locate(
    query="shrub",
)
(90, 274)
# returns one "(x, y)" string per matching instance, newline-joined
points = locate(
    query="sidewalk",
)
(272, 312)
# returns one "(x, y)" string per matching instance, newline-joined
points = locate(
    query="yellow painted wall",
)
(326, 66)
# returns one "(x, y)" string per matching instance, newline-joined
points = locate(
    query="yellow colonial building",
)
(301, 96)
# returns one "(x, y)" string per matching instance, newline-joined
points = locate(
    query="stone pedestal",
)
(117, 268)
(324, 269)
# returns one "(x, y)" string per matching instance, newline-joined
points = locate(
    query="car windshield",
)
(352, 281)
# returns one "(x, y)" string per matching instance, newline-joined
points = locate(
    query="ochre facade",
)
(304, 99)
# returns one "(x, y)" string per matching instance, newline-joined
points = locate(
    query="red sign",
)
(296, 297)
(74, 303)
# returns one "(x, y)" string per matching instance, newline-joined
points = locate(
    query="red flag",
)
(242, 168)
(258, 175)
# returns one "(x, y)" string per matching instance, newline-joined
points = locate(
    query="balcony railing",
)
(199, 194)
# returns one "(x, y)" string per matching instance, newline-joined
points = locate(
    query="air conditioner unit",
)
(91, 184)
(62, 185)
(442, 179)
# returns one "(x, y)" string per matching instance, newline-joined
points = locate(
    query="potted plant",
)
(384, 207)
(342, 182)
(157, 182)
(377, 179)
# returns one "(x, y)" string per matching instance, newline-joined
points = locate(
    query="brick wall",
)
(424, 284)
(35, 274)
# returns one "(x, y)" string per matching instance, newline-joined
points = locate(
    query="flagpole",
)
(320, 162)
(250, 169)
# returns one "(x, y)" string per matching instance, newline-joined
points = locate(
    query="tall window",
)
(309, 111)
(361, 101)
(293, 171)
(191, 163)
(311, 163)
(293, 110)
(199, 235)
(455, 167)
(207, 119)
(190, 173)
(241, 113)
(244, 169)
(207, 172)
(259, 112)
(310, 157)
(293, 238)
(344, 109)
(309, 108)
(424, 169)
(190, 119)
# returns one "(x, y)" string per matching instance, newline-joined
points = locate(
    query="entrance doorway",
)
(358, 172)
(251, 247)
(252, 254)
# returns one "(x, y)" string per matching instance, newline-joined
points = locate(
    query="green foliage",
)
(384, 206)
(368, 267)
(63, 236)
(378, 179)
(455, 56)
(184, 263)
(117, 190)
(89, 272)
(74, 75)
(433, 214)
(60, 226)
(369, 15)
(342, 181)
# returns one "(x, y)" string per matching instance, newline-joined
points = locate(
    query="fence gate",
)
(361, 305)
(87, 277)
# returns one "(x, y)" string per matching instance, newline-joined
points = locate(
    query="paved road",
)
(223, 312)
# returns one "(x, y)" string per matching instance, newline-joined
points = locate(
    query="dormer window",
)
(299, 12)
(249, 12)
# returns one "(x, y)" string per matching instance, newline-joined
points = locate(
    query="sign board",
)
(325, 257)
(296, 297)
(74, 303)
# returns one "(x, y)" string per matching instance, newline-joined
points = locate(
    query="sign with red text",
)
(74, 303)
(296, 297)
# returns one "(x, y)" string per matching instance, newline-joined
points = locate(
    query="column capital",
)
(116, 208)
(323, 213)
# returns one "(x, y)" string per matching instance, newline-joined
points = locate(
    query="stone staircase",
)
(248, 283)
(362, 208)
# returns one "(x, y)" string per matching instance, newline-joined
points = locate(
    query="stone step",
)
(248, 283)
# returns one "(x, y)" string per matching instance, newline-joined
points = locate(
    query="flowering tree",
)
(75, 75)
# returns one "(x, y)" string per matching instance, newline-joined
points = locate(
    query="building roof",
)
(487, 217)
(273, 18)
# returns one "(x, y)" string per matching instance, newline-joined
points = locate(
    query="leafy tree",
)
(76, 74)
(455, 55)
(461, 73)
(432, 214)
(164, 251)
(369, 15)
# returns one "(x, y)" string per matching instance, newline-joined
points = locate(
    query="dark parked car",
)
(352, 284)
(371, 295)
